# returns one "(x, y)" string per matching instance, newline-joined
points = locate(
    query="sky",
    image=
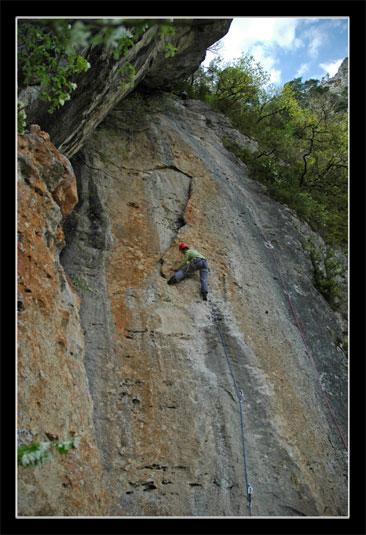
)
(288, 47)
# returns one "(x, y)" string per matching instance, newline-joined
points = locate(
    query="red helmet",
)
(183, 246)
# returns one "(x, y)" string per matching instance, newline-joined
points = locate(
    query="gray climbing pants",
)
(196, 264)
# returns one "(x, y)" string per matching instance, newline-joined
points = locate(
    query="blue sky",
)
(288, 47)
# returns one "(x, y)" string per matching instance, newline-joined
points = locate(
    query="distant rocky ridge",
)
(339, 81)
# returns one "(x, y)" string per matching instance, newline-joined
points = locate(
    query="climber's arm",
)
(187, 259)
(182, 264)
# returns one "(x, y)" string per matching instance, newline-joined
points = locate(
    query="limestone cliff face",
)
(146, 374)
(106, 82)
(54, 401)
(165, 413)
(339, 81)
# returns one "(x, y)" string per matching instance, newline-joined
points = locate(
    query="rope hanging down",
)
(217, 317)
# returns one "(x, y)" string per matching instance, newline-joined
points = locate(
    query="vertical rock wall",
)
(166, 415)
(54, 402)
(107, 81)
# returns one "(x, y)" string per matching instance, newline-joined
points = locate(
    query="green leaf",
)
(65, 446)
(34, 454)
(170, 50)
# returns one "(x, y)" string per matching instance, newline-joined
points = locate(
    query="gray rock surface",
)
(104, 84)
(53, 395)
(339, 81)
(166, 414)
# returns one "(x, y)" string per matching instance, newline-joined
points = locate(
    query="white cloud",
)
(262, 54)
(273, 30)
(332, 67)
(245, 33)
(316, 38)
(303, 69)
(275, 76)
(283, 45)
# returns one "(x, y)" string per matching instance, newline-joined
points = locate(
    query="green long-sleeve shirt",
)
(189, 255)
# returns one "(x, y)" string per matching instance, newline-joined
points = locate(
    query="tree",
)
(302, 134)
(52, 52)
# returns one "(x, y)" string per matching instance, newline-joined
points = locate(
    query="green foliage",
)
(302, 135)
(65, 446)
(21, 118)
(170, 50)
(34, 454)
(51, 53)
(39, 452)
(46, 58)
(327, 274)
(128, 73)
(167, 30)
(240, 85)
(278, 179)
(235, 89)
(324, 215)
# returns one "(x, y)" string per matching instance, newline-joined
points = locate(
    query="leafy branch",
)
(39, 452)
(52, 53)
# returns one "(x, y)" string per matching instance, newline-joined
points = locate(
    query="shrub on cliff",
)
(39, 452)
(48, 57)
(53, 53)
(302, 134)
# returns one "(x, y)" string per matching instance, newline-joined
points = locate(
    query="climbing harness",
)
(299, 325)
(217, 317)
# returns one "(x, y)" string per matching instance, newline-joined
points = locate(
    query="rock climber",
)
(193, 261)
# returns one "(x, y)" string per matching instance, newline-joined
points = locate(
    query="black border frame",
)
(355, 10)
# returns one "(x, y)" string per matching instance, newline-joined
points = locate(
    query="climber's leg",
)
(204, 278)
(183, 272)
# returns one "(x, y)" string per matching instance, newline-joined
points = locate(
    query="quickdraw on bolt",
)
(249, 496)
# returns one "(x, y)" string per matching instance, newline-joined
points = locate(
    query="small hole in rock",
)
(149, 486)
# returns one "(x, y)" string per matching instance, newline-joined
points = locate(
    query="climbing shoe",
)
(204, 296)
(172, 280)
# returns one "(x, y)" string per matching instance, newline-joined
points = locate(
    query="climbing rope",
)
(299, 325)
(217, 317)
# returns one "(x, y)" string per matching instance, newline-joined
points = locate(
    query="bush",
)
(39, 452)
(302, 132)
(46, 59)
(51, 52)
(21, 118)
(280, 179)
(327, 273)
